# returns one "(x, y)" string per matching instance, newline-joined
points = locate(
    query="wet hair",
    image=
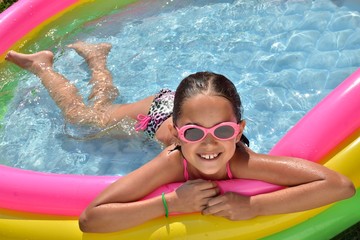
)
(208, 83)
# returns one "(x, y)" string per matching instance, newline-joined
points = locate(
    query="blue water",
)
(283, 56)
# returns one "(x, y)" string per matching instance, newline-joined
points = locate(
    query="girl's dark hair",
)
(208, 83)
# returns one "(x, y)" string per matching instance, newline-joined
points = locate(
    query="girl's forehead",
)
(206, 110)
(203, 97)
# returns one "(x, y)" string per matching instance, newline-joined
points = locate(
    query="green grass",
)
(352, 233)
(4, 4)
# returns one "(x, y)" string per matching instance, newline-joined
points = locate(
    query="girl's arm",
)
(310, 185)
(118, 208)
(111, 217)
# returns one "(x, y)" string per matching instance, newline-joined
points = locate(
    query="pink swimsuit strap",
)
(186, 173)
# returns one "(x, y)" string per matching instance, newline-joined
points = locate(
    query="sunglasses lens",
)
(193, 134)
(224, 132)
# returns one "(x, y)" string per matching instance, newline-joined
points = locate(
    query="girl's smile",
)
(210, 156)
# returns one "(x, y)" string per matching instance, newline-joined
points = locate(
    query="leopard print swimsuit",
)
(160, 109)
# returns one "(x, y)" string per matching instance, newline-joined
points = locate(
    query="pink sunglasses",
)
(222, 131)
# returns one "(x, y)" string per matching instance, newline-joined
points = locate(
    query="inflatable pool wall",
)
(26, 214)
(27, 19)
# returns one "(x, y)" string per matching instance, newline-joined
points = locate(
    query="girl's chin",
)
(209, 167)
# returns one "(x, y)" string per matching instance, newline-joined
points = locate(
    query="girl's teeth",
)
(209, 156)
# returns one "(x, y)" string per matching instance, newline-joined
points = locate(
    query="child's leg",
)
(103, 91)
(60, 89)
(66, 95)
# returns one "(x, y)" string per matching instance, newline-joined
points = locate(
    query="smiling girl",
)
(202, 127)
(207, 128)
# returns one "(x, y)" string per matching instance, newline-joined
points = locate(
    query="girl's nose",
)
(209, 139)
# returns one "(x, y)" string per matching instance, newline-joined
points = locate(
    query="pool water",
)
(283, 56)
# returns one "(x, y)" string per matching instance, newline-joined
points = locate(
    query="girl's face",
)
(208, 157)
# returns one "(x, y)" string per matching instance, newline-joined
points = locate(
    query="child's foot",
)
(91, 51)
(34, 63)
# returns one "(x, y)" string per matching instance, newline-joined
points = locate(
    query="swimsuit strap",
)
(228, 170)
(186, 174)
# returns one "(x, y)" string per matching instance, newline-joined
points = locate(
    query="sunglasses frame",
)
(181, 131)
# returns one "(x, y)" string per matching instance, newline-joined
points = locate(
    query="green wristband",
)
(165, 204)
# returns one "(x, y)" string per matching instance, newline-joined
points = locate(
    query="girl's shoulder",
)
(242, 163)
(171, 154)
(243, 153)
(171, 160)
(249, 164)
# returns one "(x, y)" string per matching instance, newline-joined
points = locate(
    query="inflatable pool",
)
(36, 205)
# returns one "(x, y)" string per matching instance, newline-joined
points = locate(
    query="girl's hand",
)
(192, 196)
(230, 205)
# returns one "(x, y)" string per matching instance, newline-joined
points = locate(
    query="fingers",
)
(207, 188)
(195, 194)
(231, 206)
(219, 213)
(202, 182)
(202, 185)
(215, 201)
(214, 206)
(221, 205)
(217, 210)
